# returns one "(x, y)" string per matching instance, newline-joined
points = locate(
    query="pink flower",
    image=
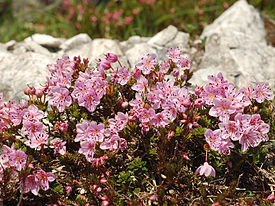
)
(96, 131)
(68, 189)
(160, 120)
(173, 54)
(31, 128)
(110, 143)
(60, 98)
(43, 178)
(103, 64)
(213, 138)
(38, 139)
(30, 184)
(164, 67)
(230, 129)
(206, 170)
(136, 72)
(147, 63)
(110, 57)
(123, 76)
(262, 92)
(121, 120)
(18, 159)
(60, 147)
(183, 63)
(137, 102)
(88, 149)
(222, 108)
(141, 85)
(32, 113)
(128, 20)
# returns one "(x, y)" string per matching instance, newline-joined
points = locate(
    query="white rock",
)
(79, 45)
(242, 62)
(138, 50)
(10, 44)
(30, 46)
(17, 71)
(236, 47)
(104, 46)
(240, 18)
(47, 40)
(181, 41)
(76, 42)
(164, 37)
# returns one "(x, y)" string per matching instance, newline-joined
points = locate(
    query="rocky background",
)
(236, 44)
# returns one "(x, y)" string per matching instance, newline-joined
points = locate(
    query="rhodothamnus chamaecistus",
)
(94, 117)
(228, 104)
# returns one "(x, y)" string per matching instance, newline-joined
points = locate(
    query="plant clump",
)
(110, 135)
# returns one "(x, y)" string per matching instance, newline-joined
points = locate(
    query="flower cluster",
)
(11, 158)
(99, 112)
(228, 104)
(39, 178)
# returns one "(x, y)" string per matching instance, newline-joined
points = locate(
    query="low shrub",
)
(114, 136)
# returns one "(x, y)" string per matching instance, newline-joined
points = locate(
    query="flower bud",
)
(153, 197)
(39, 93)
(195, 124)
(185, 156)
(26, 91)
(183, 77)
(124, 105)
(175, 72)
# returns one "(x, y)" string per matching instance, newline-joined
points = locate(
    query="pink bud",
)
(195, 124)
(63, 127)
(184, 116)
(99, 189)
(68, 189)
(185, 156)
(124, 105)
(190, 125)
(102, 181)
(170, 135)
(31, 166)
(105, 203)
(39, 93)
(153, 197)
(183, 77)
(175, 72)
(229, 164)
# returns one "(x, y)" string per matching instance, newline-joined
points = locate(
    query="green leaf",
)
(58, 189)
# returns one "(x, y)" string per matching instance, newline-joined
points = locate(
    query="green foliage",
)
(111, 19)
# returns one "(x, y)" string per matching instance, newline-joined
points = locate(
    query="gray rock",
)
(100, 47)
(17, 71)
(3, 47)
(10, 44)
(236, 47)
(47, 40)
(29, 46)
(240, 18)
(79, 45)
(164, 37)
(180, 40)
(138, 50)
(242, 62)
